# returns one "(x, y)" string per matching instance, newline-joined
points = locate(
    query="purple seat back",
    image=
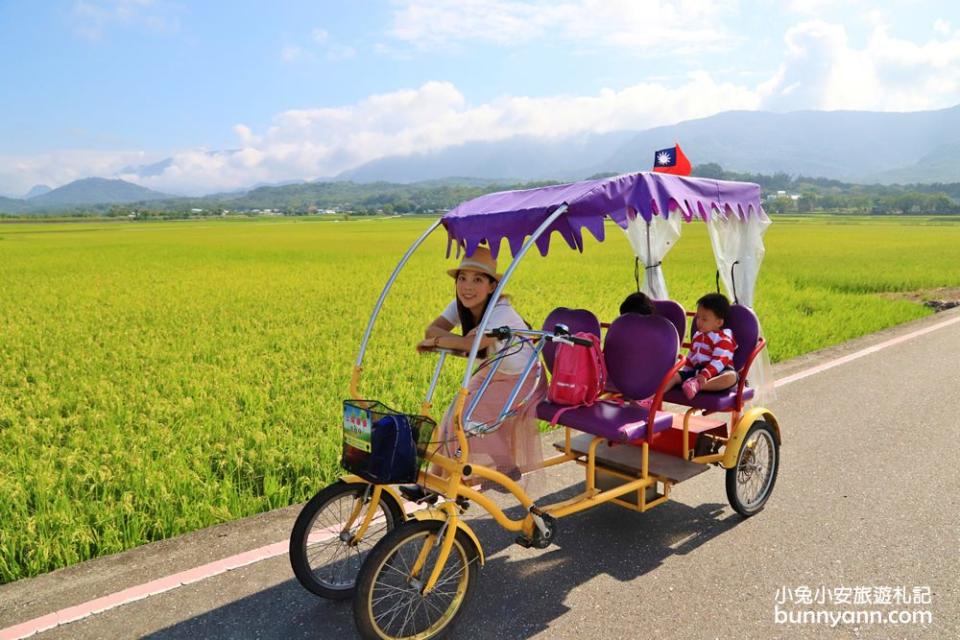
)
(746, 331)
(577, 320)
(639, 352)
(673, 312)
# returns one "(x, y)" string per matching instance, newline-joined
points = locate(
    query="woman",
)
(514, 447)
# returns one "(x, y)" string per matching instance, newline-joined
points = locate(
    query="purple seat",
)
(746, 331)
(709, 401)
(639, 352)
(576, 320)
(673, 312)
(607, 420)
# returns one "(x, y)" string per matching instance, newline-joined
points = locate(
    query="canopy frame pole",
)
(646, 272)
(495, 297)
(387, 287)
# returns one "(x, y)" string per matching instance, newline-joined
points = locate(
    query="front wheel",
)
(389, 603)
(750, 482)
(324, 552)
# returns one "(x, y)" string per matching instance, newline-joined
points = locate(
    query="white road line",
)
(863, 352)
(211, 569)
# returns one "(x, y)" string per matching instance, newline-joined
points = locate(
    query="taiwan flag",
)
(671, 161)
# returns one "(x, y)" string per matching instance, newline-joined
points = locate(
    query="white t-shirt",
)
(503, 315)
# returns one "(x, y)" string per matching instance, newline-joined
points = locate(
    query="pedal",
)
(544, 531)
(524, 542)
(417, 494)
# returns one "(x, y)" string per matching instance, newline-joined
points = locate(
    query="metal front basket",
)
(359, 420)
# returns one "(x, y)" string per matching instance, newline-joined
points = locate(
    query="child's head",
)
(712, 312)
(637, 303)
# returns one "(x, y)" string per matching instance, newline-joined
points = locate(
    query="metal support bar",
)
(482, 327)
(532, 361)
(479, 394)
(386, 289)
(436, 376)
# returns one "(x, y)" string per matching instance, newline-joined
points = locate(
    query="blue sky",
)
(242, 92)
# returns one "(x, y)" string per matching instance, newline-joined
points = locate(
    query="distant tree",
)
(781, 204)
(709, 170)
(805, 204)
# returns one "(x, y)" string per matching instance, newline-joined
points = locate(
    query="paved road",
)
(868, 495)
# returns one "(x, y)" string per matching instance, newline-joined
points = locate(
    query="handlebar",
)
(560, 334)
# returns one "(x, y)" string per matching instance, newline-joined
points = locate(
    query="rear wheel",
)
(323, 552)
(750, 482)
(389, 605)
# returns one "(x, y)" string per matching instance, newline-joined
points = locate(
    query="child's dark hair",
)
(637, 303)
(716, 302)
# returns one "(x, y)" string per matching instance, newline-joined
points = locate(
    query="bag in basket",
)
(393, 450)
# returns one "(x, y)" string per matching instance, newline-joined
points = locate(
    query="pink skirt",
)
(515, 444)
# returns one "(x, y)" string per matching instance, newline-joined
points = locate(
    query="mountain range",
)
(851, 146)
(88, 191)
(37, 190)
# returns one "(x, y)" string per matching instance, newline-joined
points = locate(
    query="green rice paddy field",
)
(156, 378)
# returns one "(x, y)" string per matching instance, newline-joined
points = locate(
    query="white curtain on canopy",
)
(738, 250)
(650, 242)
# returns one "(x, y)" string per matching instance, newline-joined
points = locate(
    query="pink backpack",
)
(579, 373)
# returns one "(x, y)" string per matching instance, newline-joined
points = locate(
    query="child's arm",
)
(688, 364)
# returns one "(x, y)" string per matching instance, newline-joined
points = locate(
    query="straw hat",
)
(481, 261)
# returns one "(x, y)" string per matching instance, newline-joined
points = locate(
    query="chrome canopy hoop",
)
(386, 289)
(482, 327)
(436, 376)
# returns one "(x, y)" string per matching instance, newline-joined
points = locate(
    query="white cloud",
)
(809, 7)
(340, 52)
(942, 26)
(822, 70)
(55, 169)
(313, 143)
(291, 53)
(654, 27)
(246, 135)
(321, 44)
(92, 18)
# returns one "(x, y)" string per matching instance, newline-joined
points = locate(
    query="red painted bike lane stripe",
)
(168, 583)
(139, 592)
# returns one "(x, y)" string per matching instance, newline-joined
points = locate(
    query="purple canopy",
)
(514, 215)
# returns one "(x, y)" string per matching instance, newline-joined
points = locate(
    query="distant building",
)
(783, 194)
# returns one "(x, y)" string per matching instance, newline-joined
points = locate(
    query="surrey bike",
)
(409, 569)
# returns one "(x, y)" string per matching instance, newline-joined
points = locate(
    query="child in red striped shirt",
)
(709, 365)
